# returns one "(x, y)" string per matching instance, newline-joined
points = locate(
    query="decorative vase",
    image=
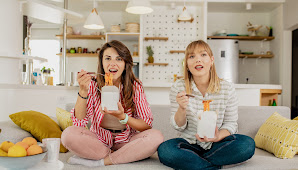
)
(150, 59)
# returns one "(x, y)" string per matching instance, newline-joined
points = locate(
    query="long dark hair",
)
(127, 78)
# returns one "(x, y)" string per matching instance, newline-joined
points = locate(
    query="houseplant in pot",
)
(46, 75)
(150, 54)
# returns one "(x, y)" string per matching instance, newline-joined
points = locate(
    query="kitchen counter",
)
(237, 86)
(257, 86)
(158, 94)
(248, 94)
(39, 87)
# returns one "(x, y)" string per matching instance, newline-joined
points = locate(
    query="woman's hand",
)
(84, 79)
(119, 114)
(205, 139)
(182, 100)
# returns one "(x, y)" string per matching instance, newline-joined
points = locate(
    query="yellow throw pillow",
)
(39, 125)
(64, 118)
(296, 118)
(279, 136)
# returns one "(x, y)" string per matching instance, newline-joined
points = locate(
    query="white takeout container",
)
(206, 124)
(109, 97)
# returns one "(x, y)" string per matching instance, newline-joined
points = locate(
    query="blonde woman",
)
(190, 151)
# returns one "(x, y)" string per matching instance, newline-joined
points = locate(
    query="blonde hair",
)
(214, 83)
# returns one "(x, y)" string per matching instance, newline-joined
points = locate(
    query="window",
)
(47, 49)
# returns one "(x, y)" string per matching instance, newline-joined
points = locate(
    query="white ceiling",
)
(84, 7)
(241, 7)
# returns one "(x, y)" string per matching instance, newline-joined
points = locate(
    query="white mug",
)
(53, 147)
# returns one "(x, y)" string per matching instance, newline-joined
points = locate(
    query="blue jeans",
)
(179, 154)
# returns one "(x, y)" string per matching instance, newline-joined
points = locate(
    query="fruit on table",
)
(6, 145)
(23, 144)
(30, 141)
(33, 150)
(3, 153)
(16, 151)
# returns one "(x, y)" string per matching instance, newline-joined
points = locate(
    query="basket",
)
(132, 27)
(115, 28)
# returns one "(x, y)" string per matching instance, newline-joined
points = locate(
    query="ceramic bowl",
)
(22, 162)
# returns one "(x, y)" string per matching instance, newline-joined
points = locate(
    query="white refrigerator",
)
(226, 57)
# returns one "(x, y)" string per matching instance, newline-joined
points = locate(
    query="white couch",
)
(250, 120)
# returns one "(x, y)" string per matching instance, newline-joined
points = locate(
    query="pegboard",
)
(163, 23)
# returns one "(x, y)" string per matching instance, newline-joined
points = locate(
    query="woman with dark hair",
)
(115, 137)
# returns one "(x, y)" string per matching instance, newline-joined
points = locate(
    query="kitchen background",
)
(163, 23)
(210, 16)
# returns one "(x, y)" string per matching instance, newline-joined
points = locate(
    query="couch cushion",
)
(64, 118)
(39, 125)
(251, 118)
(278, 135)
(12, 132)
(265, 160)
(161, 121)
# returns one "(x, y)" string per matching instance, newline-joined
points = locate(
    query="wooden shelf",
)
(82, 36)
(163, 64)
(156, 38)
(191, 20)
(254, 38)
(79, 54)
(255, 56)
(177, 51)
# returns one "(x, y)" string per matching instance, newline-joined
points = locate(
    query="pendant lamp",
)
(139, 7)
(184, 15)
(94, 21)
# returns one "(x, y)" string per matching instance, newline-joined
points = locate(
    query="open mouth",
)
(113, 71)
(199, 67)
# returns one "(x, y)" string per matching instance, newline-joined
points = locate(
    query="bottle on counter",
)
(37, 80)
(270, 103)
(274, 103)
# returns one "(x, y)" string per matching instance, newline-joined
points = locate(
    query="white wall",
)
(44, 33)
(276, 45)
(11, 33)
(11, 30)
(290, 23)
(41, 99)
(290, 14)
(286, 69)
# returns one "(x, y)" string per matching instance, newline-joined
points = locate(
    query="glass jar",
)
(135, 50)
(45, 76)
(72, 50)
(80, 50)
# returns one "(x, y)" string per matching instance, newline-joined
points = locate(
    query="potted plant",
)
(46, 74)
(46, 70)
(150, 53)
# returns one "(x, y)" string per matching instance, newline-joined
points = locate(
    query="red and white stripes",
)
(142, 111)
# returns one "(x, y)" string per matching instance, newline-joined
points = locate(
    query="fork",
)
(95, 73)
